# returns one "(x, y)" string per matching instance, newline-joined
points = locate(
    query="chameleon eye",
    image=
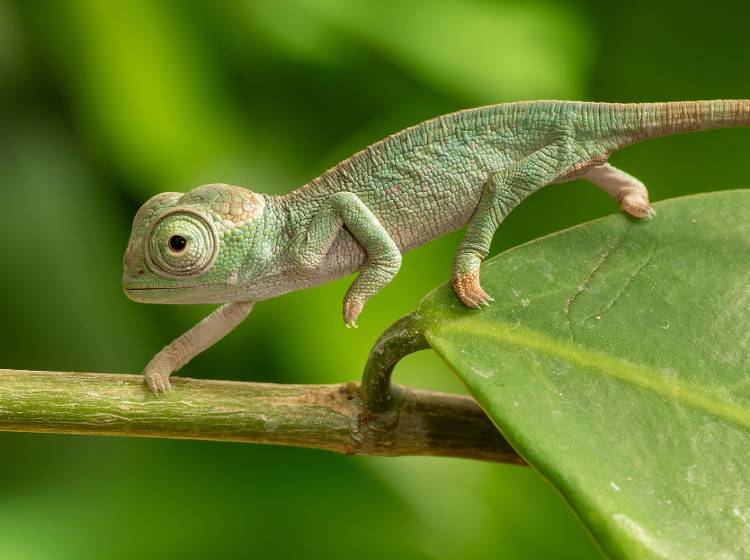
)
(182, 243)
(177, 243)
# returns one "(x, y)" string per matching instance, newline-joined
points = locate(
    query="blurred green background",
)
(103, 104)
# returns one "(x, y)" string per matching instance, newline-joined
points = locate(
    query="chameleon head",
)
(187, 248)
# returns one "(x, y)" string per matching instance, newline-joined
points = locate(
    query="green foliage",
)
(615, 362)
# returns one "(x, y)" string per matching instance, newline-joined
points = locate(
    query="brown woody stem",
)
(330, 417)
(404, 337)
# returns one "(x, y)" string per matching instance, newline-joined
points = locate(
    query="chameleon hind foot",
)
(469, 291)
(501, 192)
(631, 193)
(636, 204)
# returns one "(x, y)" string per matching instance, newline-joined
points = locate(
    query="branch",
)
(402, 338)
(328, 417)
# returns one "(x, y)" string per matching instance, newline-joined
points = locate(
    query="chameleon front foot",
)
(157, 382)
(352, 309)
(157, 374)
(469, 291)
(203, 335)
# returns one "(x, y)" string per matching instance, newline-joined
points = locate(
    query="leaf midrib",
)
(633, 373)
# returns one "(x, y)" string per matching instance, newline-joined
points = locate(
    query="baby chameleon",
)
(225, 244)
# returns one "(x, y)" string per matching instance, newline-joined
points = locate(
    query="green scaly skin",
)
(469, 168)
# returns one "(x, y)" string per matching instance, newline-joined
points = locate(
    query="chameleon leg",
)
(628, 191)
(494, 204)
(345, 209)
(203, 335)
(501, 193)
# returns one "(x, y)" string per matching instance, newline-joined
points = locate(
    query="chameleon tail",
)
(629, 123)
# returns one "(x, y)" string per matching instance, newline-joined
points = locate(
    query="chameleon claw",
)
(647, 213)
(470, 292)
(478, 301)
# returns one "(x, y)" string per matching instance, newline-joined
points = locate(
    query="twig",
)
(321, 416)
(402, 338)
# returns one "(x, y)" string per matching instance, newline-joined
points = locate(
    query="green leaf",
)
(616, 361)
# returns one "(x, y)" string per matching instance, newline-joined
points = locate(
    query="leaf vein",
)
(635, 374)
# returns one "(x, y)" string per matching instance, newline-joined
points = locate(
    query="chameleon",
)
(228, 245)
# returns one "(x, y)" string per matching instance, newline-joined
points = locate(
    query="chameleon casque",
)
(225, 244)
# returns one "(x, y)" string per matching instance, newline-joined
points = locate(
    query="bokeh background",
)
(103, 104)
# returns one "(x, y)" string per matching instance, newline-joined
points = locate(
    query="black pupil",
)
(177, 243)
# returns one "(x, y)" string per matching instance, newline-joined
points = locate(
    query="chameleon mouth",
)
(176, 294)
(143, 294)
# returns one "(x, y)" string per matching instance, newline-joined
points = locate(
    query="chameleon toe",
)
(158, 383)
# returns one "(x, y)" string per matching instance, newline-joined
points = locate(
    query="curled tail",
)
(628, 123)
